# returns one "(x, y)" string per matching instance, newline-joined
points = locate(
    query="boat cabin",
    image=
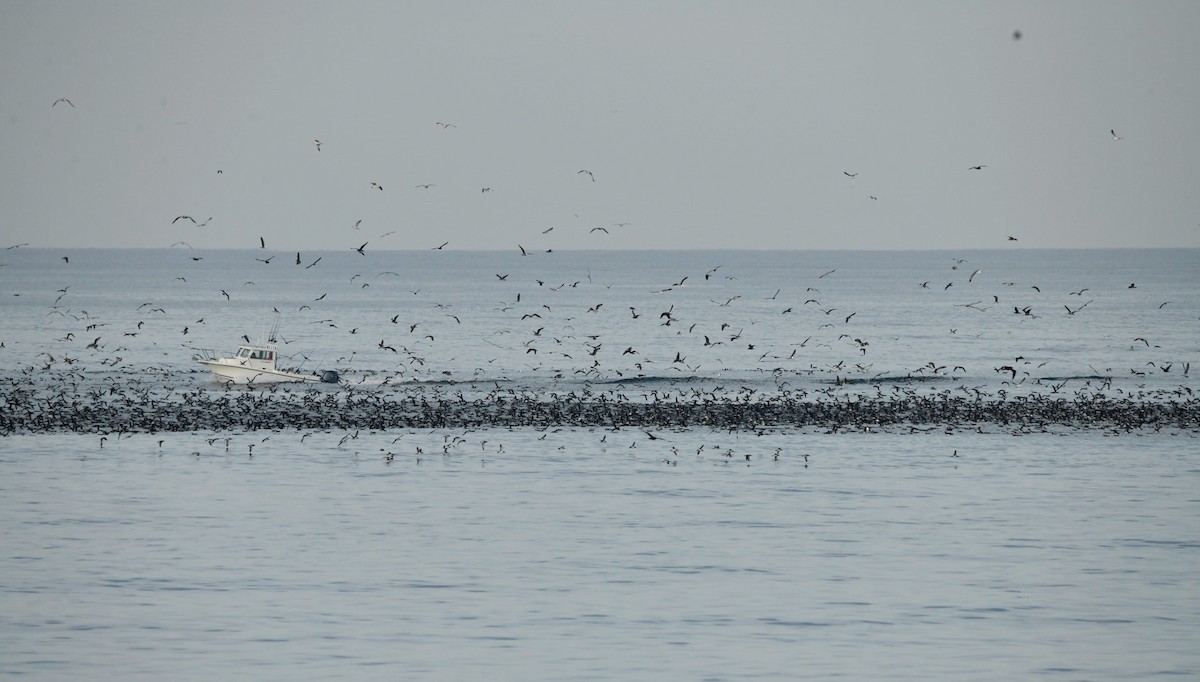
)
(260, 357)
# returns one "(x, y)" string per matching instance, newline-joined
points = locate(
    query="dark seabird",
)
(62, 99)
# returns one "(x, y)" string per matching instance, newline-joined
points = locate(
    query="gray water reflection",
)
(558, 556)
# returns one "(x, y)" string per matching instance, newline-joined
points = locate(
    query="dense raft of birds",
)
(128, 407)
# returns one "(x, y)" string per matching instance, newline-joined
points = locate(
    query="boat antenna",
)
(274, 331)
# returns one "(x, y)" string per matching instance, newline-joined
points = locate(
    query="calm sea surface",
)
(985, 552)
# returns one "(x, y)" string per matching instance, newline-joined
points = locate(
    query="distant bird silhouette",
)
(183, 217)
(318, 143)
(377, 186)
(593, 177)
(440, 246)
(1016, 36)
(601, 229)
(1114, 134)
(446, 125)
(850, 175)
(63, 99)
(1012, 238)
(977, 167)
(262, 243)
(360, 249)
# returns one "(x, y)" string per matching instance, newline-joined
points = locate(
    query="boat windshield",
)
(243, 352)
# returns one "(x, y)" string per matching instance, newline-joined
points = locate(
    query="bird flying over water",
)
(63, 99)
(977, 167)
(593, 177)
(183, 217)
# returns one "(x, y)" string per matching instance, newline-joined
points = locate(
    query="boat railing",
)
(205, 354)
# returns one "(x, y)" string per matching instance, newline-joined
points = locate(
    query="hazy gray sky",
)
(705, 124)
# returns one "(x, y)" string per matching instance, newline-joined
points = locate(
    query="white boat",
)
(256, 364)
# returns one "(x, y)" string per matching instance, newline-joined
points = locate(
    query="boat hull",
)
(224, 372)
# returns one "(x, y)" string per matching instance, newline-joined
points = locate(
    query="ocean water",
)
(987, 550)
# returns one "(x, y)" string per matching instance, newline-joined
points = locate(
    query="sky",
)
(703, 125)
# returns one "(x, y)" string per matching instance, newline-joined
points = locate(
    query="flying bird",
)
(377, 186)
(318, 143)
(360, 249)
(440, 246)
(62, 99)
(593, 177)
(1114, 134)
(183, 217)
(977, 167)
(850, 175)
(262, 243)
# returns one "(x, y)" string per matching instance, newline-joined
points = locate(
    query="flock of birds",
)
(545, 333)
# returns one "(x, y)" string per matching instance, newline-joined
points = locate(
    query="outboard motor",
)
(329, 376)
